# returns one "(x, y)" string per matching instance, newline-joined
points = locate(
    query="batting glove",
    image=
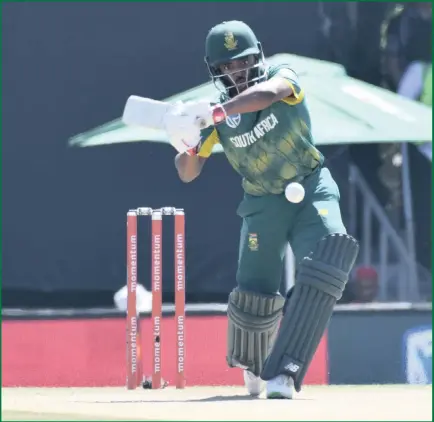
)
(203, 114)
(183, 135)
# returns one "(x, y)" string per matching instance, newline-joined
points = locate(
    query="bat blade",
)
(145, 112)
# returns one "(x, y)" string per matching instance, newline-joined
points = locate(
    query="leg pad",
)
(320, 282)
(253, 320)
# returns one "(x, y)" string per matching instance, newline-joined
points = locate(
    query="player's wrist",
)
(218, 114)
(194, 151)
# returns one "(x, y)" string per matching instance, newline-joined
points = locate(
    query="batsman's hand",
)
(200, 113)
(183, 134)
(184, 122)
(205, 114)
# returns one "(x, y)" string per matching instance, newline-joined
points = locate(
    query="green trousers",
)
(271, 221)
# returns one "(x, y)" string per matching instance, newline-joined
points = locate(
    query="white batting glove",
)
(202, 113)
(183, 134)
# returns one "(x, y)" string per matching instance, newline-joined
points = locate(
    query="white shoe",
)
(281, 387)
(255, 385)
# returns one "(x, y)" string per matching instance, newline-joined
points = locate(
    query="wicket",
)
(134, 352)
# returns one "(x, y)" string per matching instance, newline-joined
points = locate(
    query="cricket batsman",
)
(261, 119)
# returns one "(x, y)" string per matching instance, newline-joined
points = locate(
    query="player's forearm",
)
(257, 97)
(248, 102)
(188, 167)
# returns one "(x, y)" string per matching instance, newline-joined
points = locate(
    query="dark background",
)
(368, 347)
(68, 67)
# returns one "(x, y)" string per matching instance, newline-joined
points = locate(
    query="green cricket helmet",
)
(230, 41)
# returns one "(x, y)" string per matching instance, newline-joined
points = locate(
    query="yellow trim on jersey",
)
(208, 144)
(296, 97)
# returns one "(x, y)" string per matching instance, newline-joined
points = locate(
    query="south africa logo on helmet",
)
(230, 41)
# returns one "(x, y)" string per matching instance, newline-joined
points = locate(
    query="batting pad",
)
(253, 321)
(319, 284)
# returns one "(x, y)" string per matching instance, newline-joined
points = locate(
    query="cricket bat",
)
(149, 113)
(145, 112)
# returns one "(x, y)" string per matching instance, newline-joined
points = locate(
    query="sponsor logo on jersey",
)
(259, 130)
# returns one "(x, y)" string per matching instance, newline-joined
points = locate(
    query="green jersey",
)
(271, 147)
